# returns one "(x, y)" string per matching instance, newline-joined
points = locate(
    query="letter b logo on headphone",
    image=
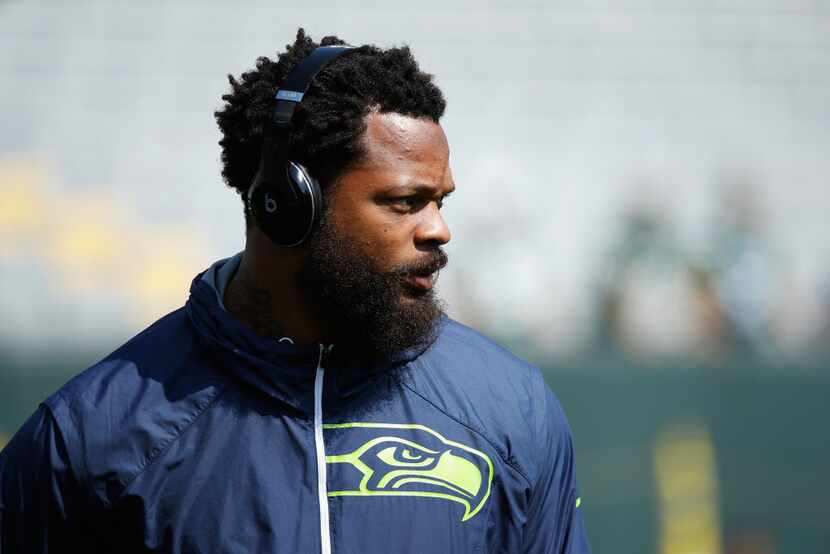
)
(270, 203)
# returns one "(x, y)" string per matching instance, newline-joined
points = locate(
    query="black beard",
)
(369, 313)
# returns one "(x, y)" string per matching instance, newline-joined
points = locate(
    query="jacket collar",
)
(283, 371)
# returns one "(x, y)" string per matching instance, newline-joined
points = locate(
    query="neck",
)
(264, 294)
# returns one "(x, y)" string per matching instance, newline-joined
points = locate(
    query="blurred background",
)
(643, 190)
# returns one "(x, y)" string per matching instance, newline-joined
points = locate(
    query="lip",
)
(421, 282)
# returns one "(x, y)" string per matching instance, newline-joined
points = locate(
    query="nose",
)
(432, 228)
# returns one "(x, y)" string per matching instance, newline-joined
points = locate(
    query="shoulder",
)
(465, 357)
(478, 382)
(162, 343)
(163, 362)
(119, 413)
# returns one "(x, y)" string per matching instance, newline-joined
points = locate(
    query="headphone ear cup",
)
(308, 193)
(284, 200)
(286, 209)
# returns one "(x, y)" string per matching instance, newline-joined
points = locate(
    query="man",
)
(310, 396)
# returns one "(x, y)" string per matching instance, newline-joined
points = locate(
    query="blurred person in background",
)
(742, 268)
(650, 296)
(662, 299)
(311, 396)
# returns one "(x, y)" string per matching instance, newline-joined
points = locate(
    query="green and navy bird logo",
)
(407, 459)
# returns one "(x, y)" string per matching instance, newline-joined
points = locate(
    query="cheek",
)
(387, 243)
(375, 231)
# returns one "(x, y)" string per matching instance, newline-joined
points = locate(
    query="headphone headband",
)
(295, 85)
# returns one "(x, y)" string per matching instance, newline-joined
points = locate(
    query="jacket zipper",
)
(319, 447)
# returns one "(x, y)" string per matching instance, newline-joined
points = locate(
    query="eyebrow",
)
(420, 188)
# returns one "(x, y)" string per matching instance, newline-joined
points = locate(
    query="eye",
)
(399, 456)
(407, 204)
(414, 202)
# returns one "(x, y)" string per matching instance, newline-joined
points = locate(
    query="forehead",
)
(401, 150)
(401, 136)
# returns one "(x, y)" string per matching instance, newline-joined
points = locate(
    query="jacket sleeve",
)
(554, 524)
(38, 490)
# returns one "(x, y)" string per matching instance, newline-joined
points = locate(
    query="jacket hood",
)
(282, 370)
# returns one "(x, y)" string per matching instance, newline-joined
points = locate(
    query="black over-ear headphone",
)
(284, 200)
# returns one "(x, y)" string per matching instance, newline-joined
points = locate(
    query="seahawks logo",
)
(414, 460)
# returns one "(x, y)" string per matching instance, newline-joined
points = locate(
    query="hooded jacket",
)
(200, 436)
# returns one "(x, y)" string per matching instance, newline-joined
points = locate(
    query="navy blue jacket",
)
(200, 436)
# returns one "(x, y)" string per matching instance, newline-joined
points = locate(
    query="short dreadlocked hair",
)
(329, 123)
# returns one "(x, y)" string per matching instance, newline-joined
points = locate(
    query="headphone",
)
(284, 199)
